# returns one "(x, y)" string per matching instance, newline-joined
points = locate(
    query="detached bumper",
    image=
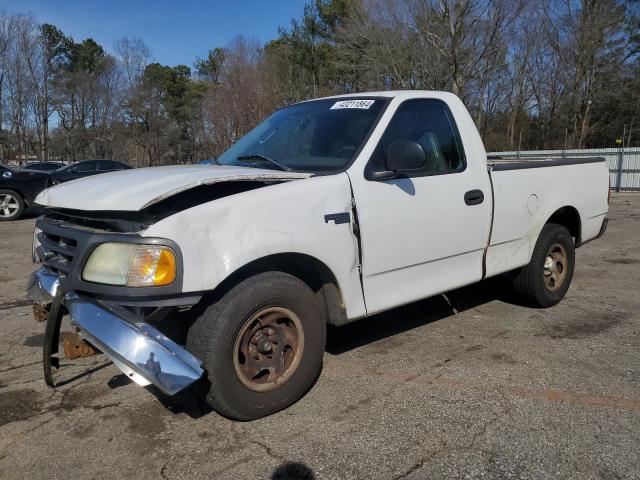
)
(43, 286)
(141, 351)
(138, 349)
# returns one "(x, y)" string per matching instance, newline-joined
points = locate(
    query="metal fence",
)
(624, 163)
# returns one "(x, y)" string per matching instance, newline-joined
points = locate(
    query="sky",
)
(175, 31)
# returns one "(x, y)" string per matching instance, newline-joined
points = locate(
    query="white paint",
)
(419, 238)
(219, 237)
(515, 231)
(532, 204)
(135, 189)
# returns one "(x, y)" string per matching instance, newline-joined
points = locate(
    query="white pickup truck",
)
(329, 211)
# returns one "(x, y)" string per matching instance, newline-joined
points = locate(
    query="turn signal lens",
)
(152, 266)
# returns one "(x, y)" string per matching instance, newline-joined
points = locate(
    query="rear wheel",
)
(11, 205)
(545, 281)
(261, 344)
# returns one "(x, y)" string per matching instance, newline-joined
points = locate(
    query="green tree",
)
(209, 68)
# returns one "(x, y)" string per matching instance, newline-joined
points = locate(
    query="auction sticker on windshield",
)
(363, 104)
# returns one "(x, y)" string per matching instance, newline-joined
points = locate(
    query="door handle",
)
(474, 197)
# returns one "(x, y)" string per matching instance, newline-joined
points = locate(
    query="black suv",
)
(84, 168)
(18, 189)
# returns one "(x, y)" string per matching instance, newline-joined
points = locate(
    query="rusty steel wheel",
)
(555, 267)
(268, 348)
(547, 277)
(261, 344)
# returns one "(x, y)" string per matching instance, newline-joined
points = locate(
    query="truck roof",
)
(394, 93)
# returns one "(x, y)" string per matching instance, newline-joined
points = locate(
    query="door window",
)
(85, 167)
(109, 166)
(429, 123)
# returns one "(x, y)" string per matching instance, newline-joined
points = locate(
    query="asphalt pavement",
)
(467, 385)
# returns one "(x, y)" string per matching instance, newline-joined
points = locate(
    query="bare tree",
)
(6, 34)
(541, 74)
(466, 34)
(18, 88)
(134, 55)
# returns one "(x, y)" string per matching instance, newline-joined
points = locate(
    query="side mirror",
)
(405, 156)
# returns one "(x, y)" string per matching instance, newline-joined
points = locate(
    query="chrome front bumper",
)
(141, 351)
(43, 286)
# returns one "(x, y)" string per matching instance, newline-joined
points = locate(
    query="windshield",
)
(316, 136)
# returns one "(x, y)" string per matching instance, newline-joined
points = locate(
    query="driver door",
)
(419, 236)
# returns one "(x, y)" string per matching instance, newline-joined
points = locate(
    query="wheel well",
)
(309, 269)
(569, 218)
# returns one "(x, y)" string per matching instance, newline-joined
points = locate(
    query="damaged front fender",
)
(219, 238)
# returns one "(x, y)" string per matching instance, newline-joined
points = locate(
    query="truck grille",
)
(59, 250)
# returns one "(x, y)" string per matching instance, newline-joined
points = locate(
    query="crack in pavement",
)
(422, 462)
(61, 405)
(15, 367)
(163, 468)
(269, 451)
(484, 429)
(12, 386)
(27, 432)
(444, 447)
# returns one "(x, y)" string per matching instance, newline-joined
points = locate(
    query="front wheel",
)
(545, 281)
(261, 344)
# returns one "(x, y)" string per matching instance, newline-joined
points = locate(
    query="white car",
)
(328, 211)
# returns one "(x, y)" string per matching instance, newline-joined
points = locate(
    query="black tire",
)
(215, 335)
(542, 288)
(12, 210)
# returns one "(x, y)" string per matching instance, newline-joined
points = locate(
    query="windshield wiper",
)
(259, 156)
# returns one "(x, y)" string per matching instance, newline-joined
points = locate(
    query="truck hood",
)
(135, 189)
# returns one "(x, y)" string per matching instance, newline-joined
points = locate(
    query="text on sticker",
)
(364, 104)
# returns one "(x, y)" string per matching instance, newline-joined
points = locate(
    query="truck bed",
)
(527, 193)
(497, 164)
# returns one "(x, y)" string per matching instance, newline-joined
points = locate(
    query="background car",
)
(18, 189)
(85, 168)
(208, 161)
(43, 166)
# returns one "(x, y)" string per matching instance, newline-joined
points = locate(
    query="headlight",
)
(131, 265)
